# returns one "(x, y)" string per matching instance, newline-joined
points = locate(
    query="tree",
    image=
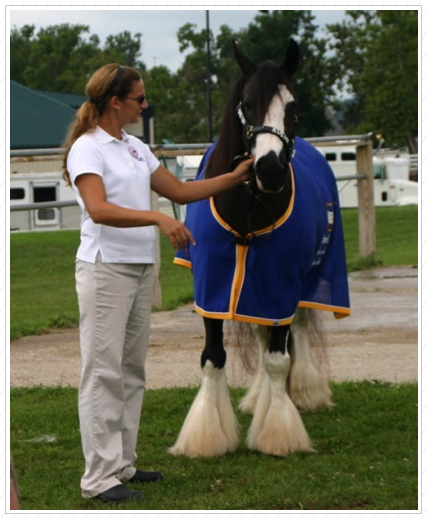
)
(52, 56)
(265, 38)
(193, 80)
(377, 55)
(21, 41)
(268, 37)
(62, 57)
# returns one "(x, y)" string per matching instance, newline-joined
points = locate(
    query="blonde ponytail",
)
(86, 120)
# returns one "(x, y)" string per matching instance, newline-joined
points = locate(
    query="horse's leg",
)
(308, 384)
(210, 428)
(248, 402)
(277, 427)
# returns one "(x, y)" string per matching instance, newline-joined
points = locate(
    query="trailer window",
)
(330, 157)
(348, 155)
(46, 214)
(44, 194)
(17, 193)
(379, 171)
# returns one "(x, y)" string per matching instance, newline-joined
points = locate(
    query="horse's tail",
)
(316, 339)
(307, 381)
(242, 336)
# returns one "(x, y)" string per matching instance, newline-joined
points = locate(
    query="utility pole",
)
(208, 66)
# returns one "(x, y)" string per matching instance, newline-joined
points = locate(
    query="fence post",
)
(157, 289)
(365, 192)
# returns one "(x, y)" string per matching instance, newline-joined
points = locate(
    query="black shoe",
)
(118, 494)
(142, 476)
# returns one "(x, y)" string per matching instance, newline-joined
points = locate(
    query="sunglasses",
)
(140, 99)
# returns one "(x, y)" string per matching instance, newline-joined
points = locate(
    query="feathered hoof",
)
(247, 403)
(282, 432)
(283, 444)
(198, 447)
(312, 397)
(210, 428)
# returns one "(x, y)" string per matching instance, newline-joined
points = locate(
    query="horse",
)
(266, 252)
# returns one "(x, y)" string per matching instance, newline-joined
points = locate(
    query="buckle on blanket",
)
(242, 241)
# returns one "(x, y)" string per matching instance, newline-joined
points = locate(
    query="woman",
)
(112, 174)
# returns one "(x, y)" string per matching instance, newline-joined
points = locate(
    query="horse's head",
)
(267, 114)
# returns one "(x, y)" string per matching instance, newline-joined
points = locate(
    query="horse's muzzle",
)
(271, 174)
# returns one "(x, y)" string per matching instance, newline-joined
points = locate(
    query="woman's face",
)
(133, 105)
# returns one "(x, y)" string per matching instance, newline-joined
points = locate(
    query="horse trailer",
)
(391, 177)
(32, 188)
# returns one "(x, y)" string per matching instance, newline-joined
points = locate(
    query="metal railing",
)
(154, 148)
(43, 205)
(363, 146)
(175, 149)
(196, 146)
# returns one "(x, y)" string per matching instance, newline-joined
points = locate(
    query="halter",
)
(252, 131)
(250, 184)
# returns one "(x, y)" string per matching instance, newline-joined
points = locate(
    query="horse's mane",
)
(264, 85)
(230, 142)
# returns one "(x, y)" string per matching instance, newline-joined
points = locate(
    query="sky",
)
(159, 27)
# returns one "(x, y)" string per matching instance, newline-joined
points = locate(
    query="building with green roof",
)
(37, 120)
(40, 119)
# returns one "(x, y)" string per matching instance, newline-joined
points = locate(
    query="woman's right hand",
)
(175, 231)
(243, 171)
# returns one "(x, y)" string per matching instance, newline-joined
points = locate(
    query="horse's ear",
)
(290, 63)
(247, 66)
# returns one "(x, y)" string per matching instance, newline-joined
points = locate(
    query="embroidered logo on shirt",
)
(134, 153)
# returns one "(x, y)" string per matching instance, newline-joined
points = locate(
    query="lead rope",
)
(247, 214)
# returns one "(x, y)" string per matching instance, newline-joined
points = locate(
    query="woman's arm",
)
(92, 191)
(165, 184)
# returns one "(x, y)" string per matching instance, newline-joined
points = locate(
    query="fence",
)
(364, 177)
(365, 185)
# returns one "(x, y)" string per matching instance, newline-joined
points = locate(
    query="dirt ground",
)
(378, 341)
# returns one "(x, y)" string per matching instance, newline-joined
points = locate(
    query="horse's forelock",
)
(265, 85)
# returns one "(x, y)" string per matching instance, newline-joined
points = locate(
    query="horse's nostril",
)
(265, 165)
(270, 172)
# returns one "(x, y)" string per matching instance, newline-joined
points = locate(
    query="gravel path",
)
(378, 341)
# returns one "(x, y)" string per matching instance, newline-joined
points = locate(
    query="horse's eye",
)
(247, 105)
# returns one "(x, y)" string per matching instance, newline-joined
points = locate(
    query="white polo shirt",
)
(125, 167)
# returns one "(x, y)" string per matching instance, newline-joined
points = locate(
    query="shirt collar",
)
(104, 137)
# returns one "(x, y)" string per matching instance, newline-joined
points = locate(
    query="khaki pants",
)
(115, 309)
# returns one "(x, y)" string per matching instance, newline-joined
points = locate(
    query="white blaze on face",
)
(266, 142)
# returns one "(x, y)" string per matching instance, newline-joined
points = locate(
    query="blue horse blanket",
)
(301, 263)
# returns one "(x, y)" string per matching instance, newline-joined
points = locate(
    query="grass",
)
(366, 446)
(177, 282)
(397, 237)
(42, 290)
(366, 458)
(42, 286)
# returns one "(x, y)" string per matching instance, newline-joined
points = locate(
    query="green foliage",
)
(62, 57)
(372, 53)
(267, 37)
(377, 56)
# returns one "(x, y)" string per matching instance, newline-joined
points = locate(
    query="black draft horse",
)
(259, 118)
